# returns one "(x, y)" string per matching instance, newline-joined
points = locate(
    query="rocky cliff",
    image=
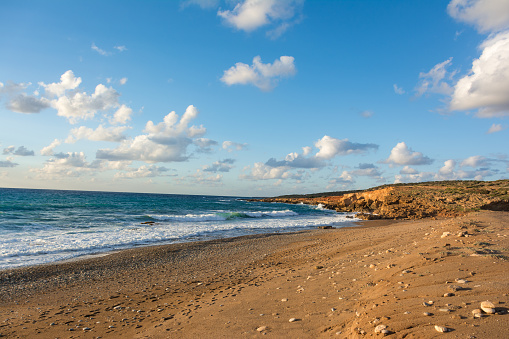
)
(413, 201)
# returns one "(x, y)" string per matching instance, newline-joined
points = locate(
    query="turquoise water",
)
(42, 226)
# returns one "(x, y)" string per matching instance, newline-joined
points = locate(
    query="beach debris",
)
(326, 227)
(261, 328)
(488, 307)
(293, 320)
(429, 303)
(441, 329)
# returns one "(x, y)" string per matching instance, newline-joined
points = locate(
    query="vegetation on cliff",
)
(411, 201)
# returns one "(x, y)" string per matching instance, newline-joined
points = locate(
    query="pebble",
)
(283, 300)
(428, 314)
(454, 288)
(441, 329)
(444, 310)
(449, 295)
(380, 328)
(261, 328)
(461, 281)
(429, 303)
(292, 320)
(488, 307)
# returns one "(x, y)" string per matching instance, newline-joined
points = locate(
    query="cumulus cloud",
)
(205, 145)
(120, 48)
(434, 81)
(263, 76)
(72, 164)
(250, 15)
(485, 88)
(343, 181)
(408, 170)
(330, 147)
(496, 128)
(20, 151)
(123, 81)
(68, 81)
(230, 146)
(165, 142)
(143, 171)
(122, 115)
(220, 166)
(367, 170)
(485, 15)
(261, 171)
(48, 150)
(401, 154)
(113, 134)
(475, 161)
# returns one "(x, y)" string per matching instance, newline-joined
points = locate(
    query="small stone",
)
(86, 328)
(488, 307)
(428, 314)
(283, 300)
(445, 234)
(293, 320)
(461, 281)
(441, 329)
(449, 295)
(380, 328)
(444, 310)
(261, 328)
(454, 288)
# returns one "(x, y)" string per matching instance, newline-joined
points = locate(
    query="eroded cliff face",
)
(417, 201)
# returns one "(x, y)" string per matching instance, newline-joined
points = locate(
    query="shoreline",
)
(338, 283)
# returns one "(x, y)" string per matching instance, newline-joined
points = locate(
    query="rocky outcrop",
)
(414, 201)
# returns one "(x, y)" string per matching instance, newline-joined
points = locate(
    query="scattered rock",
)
(261, 328)
(445, 234)
(428, 314)
(293, 320)
(380, 328)
(442, 329)
(488, 307)
(449, 295)
(454, 288)
(461, 281)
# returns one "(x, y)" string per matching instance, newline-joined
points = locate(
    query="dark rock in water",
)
(148, 223)
(326, 227)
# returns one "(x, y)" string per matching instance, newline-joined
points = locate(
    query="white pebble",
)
(488, 307)
(292, 320)
(441, 329)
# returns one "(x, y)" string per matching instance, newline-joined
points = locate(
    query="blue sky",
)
(252, 97)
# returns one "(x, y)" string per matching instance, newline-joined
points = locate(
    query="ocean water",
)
(43, 226)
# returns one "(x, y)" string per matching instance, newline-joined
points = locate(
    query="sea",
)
(40, 226)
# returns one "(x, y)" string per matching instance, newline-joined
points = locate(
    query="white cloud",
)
(99, 50)
(231, 145)
(123, 81)
(67, 82)
(201, 179)
(164, 142)
(398, 90)
(122, 115)
(485, 15)
(331, 147)
(496, 128)
(250, 15)
(21, 151)
(486, 86)
(48, 150)
(401, 154)
(120, 48)
(143, 171)
(433, 81)
(220, 166)
(263, 76)
(80, 105)
(113, 134)
(343, 181)
(72, 164)
(408, 170)
(261, 171)
(475, 161)
(204, 144)
(367, 170)
(367, 114)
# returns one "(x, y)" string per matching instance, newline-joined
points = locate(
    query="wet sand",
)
(344, 283)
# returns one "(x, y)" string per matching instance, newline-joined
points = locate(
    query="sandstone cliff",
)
(413, 201)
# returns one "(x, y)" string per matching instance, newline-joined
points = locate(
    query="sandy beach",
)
(401, 279)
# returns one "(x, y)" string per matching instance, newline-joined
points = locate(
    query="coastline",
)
(335, 283)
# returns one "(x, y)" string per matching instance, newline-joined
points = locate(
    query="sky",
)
(252, 97)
